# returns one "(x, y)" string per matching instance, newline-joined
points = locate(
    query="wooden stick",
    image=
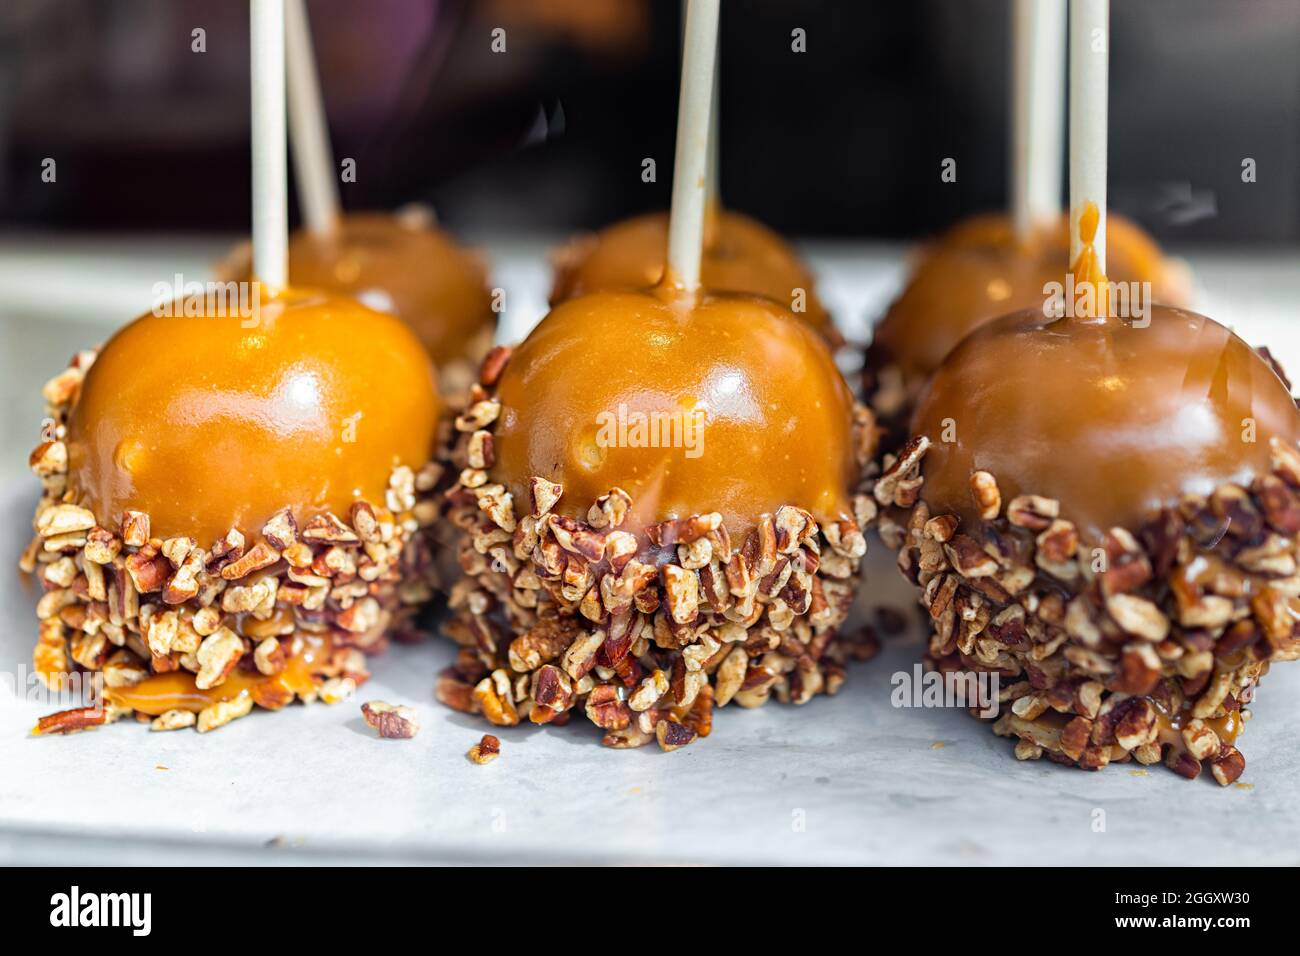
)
(1089, 62)
(313, 160)
(686, 219)
(270, 178)
(1037, 113)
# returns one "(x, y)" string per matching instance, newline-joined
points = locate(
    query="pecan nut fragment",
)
(329, 529)
(544, 642)
(1228, 766)
(968, 558)
(1033, 512)
(607, 709)
(218, 655)
(281, 530)
(543, 495)
(223, 712)
(552, 694)
(454, 691)
(893, 482)
(391, 721)
(672, 735)
(988, 499)
(494, 363)
(65, 519)
(1138, 616)
(495, 699)
(486, 750)
(1201, 741)
(261, 555)
(173, 720)
(71, 721)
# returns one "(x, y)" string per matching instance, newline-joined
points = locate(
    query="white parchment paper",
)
(849, 779)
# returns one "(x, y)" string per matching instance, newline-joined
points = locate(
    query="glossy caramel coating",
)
(405, 265)
(205, 425)
(740, 255)
(1112, 420)
(979, 271)
(776, 416)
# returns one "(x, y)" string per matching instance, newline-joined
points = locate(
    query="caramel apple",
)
(231, 506)
(1104, 513)
(1113, 418)
(405, 265)
(977, 272)
(740, 255)
(657, 497)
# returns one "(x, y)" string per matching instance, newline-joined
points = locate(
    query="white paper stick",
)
(712, 180)
(686, 220)
(313, 160)
(270, 178)
(711, 193)
(1089, 62)
(1037, 113)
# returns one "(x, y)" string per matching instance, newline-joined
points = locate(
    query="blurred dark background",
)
(845, 139)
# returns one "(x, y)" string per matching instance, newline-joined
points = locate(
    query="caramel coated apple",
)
(730, 405)
(1111, 419)
(740, 255)
(979, 271)
(206, 425)
(405, 265)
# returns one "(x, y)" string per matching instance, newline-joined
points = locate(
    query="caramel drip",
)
(177, 690)
(1169, 726)
(1091, 287)
(979, 271)
(1227, 728)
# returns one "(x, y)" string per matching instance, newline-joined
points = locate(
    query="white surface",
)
(312, 784)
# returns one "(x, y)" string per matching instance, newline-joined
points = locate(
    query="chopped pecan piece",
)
(329, 529)
(1228, 766)
(543, 494)
(281, 530)
(988, 499)
(1033, 512)
(392, 721)
(71, 721)
(218, 655)
(173, 720)
(261, 555)
(607, 709)
(672, 735)
(496, 700)
(223, 712)
(494, 363)
(135, 529)
(486, 750)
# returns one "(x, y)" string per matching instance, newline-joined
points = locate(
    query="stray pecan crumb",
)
(486, 750)
(392, 721)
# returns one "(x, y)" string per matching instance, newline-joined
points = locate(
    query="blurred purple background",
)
(845, 139)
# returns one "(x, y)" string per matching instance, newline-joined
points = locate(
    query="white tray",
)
(848, 779)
